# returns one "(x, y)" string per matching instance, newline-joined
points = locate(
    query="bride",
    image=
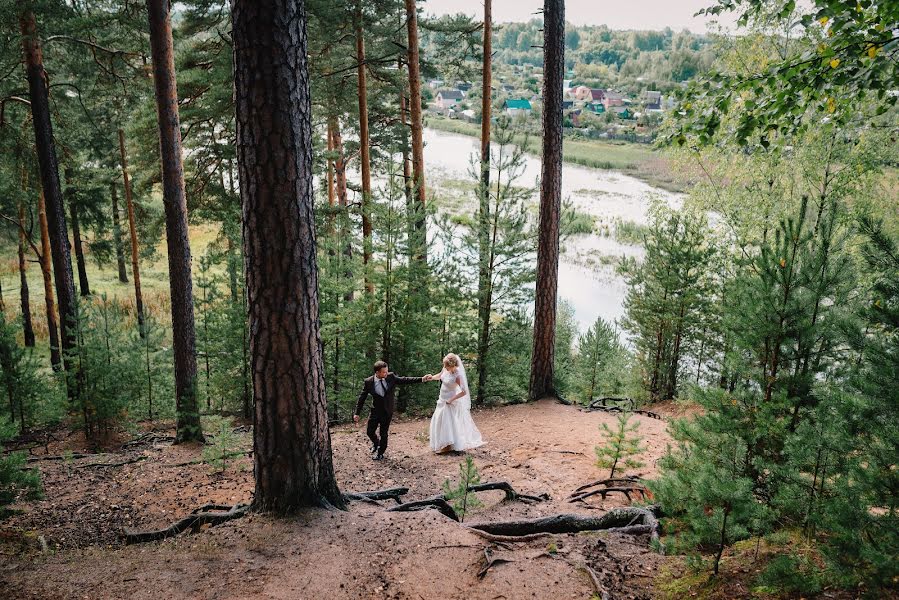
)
(452, 427)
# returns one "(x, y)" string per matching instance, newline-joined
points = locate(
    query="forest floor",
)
(68, 544)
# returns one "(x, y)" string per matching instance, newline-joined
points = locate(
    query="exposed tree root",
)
(491, 561)
(73, 456)
(198, 461)
(597, 585)
(388, 494)
(624, 405)
(502, 539)
(113, 464)
(613, 481)
(197, 518)
(150, 437)
(630, 520)
(511, 494)
(627, 491)
(437, 502)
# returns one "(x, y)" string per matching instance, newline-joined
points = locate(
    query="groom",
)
(382, 388)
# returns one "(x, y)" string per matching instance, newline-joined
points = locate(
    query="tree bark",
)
(177, 238)
(83, 284)
(484, 275)
(365, 153)
(117, 236)
(52, 324)
(418, 161)
(24, 296)
(542, 360)
(49, 169)
(132, 228)
(292, 444)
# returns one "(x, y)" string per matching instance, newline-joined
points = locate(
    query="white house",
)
(449, 98)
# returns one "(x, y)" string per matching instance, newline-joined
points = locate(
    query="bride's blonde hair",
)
(450, 360)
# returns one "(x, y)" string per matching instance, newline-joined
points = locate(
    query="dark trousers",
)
(379, 420)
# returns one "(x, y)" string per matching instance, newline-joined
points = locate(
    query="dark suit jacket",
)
(387, 402)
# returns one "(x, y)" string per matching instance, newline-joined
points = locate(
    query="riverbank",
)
(637, 160)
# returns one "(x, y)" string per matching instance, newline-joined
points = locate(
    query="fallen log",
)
(193, 521)
(388, 494)
(630, 520)
(437, 502)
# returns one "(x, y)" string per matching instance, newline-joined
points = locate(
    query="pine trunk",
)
(292, 444)
(177, 238)
(24, 296)
(132, 228)
(365, 152)
(418, 161)
(52, 323)
(49, 169)
(83, 284)
(484, 275)
(117, 236)
(542, 360)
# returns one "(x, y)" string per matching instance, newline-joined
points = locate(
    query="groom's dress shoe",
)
(378, 457)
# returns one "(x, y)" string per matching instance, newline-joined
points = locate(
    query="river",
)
(587, 277)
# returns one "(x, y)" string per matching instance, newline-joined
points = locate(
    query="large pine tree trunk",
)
(177, 239)
(364, 152)
(117, 236)
(418, 160)
(292, 444)
(83, 284)
(49, 168)
(24, 296)
(132, 229)
(52, 324)
(542, 360)
(484, 275)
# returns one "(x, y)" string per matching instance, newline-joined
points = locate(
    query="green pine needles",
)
(461, 497)
(621, 448)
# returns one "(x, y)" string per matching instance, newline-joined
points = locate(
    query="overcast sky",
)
(639, 14)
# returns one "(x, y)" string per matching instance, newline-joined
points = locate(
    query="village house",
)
(611, 99)
(652, 100)
(517, 107)
(449, 98)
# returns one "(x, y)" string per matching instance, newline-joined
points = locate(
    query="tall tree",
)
(72, 195)
(117, 235)
(484, 208)
(542, 359)
(49, 169)
(52, 324)
(177, 238)
(293, 463)
(418, 160)
(132, 228)
(364, 150)
(24, 296)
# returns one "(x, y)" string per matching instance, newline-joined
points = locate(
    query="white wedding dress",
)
(451, 424)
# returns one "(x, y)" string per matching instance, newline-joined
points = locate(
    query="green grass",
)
(637, 160)
(629, 232)
(154, 281)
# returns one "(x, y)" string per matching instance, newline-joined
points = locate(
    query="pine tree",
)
(462, 498)
(620, 447)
